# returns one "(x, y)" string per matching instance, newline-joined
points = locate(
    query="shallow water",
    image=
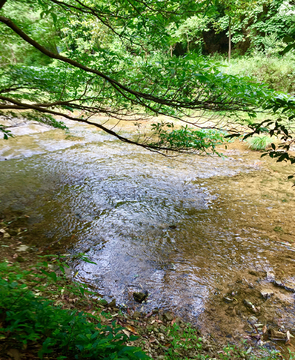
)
(187, 229)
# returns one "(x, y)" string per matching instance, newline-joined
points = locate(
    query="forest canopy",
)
(133, 60)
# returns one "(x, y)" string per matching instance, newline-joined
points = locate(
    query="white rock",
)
(22, 248)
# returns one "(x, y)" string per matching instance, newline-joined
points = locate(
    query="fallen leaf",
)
(288, 338)
(132, 329)
(126, 332)
(152, 339)
(14, 353)
(173, 321)
(149, 314)
(264, 329)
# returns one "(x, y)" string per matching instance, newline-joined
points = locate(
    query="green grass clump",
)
(260, 142)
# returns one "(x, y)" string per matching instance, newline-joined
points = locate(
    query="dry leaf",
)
(149, 314)
(126, 332)
(132, 329)
(14, 353)
(173, 321)
(152, 339)
(288, 338)
(264, 329)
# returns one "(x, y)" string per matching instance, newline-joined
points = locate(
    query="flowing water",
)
(201, 234)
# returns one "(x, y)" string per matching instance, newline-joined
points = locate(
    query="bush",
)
(28, 320)
(184, 139)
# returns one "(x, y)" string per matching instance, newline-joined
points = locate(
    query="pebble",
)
(22, 248)
(253, 320)
(266, 294)
(168, 316)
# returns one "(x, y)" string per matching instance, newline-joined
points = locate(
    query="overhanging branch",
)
(137, 97)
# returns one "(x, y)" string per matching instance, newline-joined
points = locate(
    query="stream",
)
(204, 235)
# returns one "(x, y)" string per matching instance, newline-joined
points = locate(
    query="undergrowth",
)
(35, 323)
(276, 72)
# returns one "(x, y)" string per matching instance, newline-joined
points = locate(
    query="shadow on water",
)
(201, 234)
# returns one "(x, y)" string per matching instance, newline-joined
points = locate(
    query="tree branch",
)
(21, 106)
(139, 97)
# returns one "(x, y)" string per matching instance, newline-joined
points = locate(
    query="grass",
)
(275, 71)
(259, 142)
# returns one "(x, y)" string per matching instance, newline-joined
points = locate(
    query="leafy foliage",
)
(108, 59)
(27, 320)
(185, 139)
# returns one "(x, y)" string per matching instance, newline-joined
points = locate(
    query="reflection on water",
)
(182, 229)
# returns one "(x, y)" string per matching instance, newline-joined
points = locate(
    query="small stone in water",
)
(253, 320)
(140, 296)
(266, 294)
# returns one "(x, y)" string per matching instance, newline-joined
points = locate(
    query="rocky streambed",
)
(211, 239)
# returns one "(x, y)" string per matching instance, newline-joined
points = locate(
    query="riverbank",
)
(161, 335)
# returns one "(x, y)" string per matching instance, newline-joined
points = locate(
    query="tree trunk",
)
(229, 39)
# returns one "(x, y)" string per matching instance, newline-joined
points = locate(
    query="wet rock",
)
(266, 294)
(280, 284)
(140, 296)
(112, 304)
(168, 316)
(276, 335)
